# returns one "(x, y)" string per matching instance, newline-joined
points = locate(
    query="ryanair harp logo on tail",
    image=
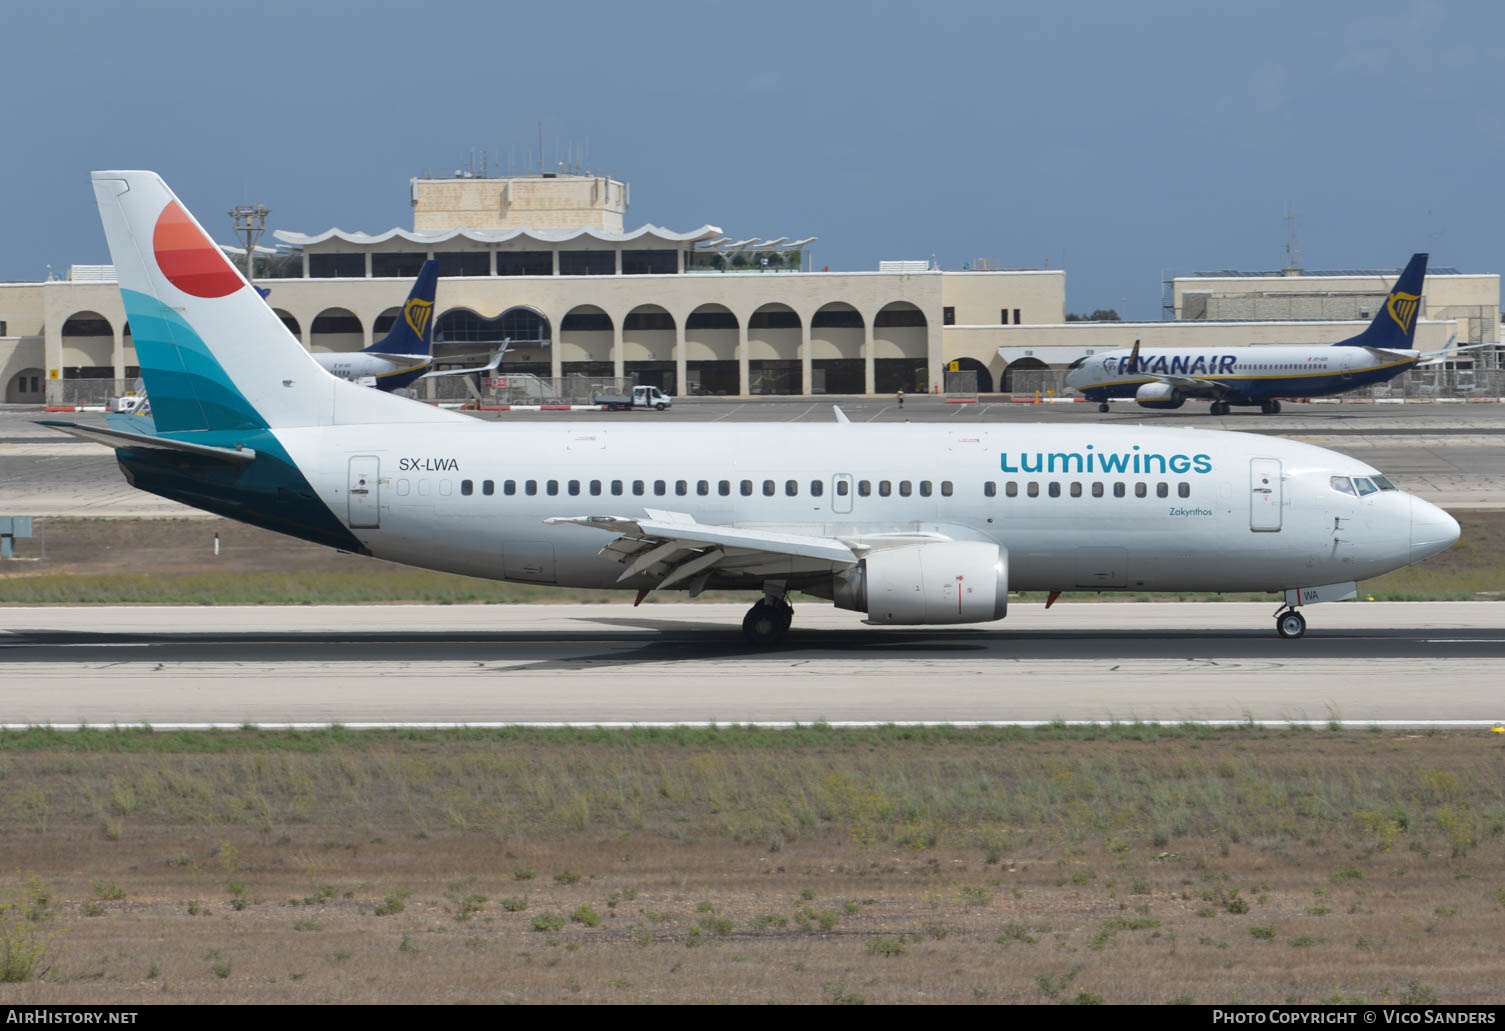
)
(417, 313)
(1402, 308)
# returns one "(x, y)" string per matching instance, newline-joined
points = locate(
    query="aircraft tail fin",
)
(413, 332)
(212, 354)
(1394, 325)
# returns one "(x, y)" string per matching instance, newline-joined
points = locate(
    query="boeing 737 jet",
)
(405, 353)
(912, 524)
(1165, 377)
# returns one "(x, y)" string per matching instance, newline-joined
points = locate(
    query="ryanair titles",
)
(1172, 364)
(1094, 461)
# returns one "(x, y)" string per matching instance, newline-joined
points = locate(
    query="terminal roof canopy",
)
(435, 236)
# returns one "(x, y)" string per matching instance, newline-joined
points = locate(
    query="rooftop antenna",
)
(1293, 252)
(250, 219)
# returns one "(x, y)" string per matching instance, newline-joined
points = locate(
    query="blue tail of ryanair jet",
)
(1394, 326)
(413, 332)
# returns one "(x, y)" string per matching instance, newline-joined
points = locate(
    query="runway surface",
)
(1359, 663)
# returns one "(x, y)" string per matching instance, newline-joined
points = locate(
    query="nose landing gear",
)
(1289, 623)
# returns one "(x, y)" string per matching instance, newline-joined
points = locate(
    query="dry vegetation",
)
(1118, 864)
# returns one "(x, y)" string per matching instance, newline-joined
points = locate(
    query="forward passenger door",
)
(1265, 496)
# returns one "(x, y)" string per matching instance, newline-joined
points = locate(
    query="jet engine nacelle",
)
(1158, 395)
(944, 582)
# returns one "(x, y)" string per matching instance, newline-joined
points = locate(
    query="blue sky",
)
(1113, 139)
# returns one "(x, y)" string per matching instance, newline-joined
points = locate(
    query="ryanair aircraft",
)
(405, 353)
(1166, 377)
(911, 524)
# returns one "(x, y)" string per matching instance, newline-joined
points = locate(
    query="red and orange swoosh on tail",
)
(190, 260)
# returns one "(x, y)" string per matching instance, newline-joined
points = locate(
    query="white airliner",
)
(1165, 377)
(909, 523)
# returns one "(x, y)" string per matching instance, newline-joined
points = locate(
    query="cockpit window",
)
(1365, 485)
(1382, 483)
(1342, 484)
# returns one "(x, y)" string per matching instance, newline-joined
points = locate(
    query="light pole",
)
(250, 219)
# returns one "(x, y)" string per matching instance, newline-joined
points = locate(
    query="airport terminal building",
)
(544, 263)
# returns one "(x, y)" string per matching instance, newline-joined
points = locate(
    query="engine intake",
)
(1158, 395)
(944, 582)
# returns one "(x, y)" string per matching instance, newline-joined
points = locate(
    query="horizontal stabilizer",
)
(123, 439)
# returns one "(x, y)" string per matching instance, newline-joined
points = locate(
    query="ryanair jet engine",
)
(1159, 395)
(944, 582)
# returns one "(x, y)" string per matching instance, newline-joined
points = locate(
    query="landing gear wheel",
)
(1290, 625)
(1102, 406)
(765, 623)
(1219, 408)
(1270, 407)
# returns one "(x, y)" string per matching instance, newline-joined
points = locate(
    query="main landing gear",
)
(1219, 408)
(1289, 623)
(1270, 408)
(1102, 406)
(767, 621)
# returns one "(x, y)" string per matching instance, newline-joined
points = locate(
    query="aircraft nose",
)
(1432, 529)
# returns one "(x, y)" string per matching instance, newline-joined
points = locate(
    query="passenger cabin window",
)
(747, 488)
(466, 487)
(660, 487)
(488, 487)
(724, 488)
(1032, 489)
(1184, 490)
(905, 488)
(1118, 490)
(616, 487)
(885, 488)
(638, 488)
(1076, 490)
(595, 488)
(552, 487)
(924, 488)
(509, 487)
(1141, 490)
(817, 488)
(1012, 489)
(791, 487)
(769, 488)
(864, 488)
(531, 488)
(1162, 490)
(1055, 489)
(574, 488)
(703, 487)
(990, 489)
(945, 488)
(681, 487)
(843, 488)
(1097, 489)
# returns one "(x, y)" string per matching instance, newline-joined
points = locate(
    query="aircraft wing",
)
(146, 441)
(1191, 386)
(673, 548)
(492, 366)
